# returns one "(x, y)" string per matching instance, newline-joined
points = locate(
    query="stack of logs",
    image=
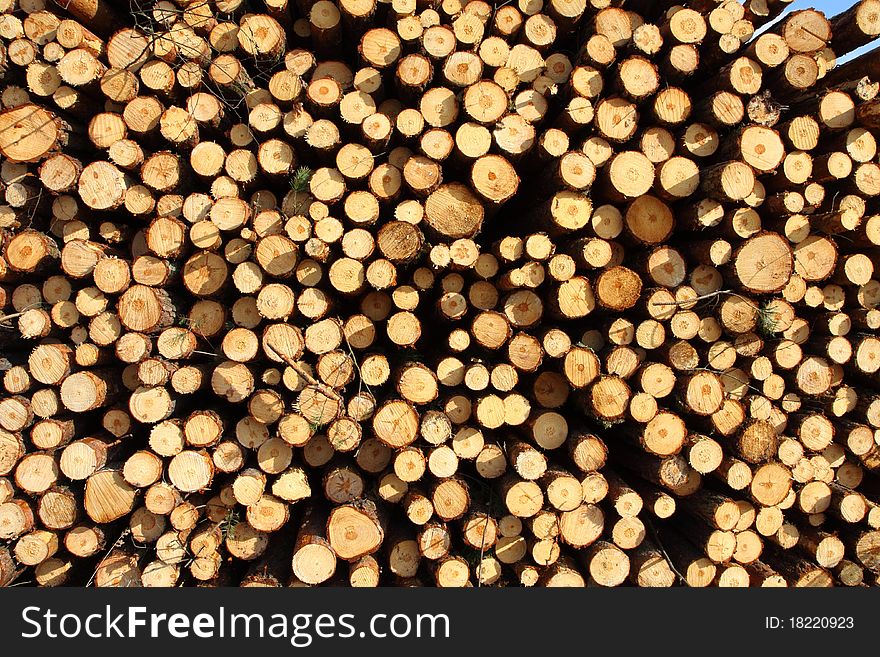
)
(371, 292)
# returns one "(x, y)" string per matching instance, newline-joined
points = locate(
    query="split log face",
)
(108, 496)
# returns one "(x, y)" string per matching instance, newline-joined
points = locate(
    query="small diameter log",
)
(88, 390)
(354, 531)
(314, 560)
(608, 565)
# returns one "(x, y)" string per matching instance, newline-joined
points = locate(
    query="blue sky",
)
(830, 8)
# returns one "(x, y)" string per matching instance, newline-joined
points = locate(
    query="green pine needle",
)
(767, 321)
(301, 178)
(228, 524)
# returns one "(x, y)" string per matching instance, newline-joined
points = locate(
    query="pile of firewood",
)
(398, 292)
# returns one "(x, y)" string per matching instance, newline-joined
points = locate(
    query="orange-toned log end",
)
(108, 496)
(757, 442)
(618, 288)
(453, 211)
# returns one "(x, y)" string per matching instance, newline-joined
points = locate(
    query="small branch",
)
(708, 295)
(6, 318)
(304, 373)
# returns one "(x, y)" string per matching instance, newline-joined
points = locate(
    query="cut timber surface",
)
(358, 293)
